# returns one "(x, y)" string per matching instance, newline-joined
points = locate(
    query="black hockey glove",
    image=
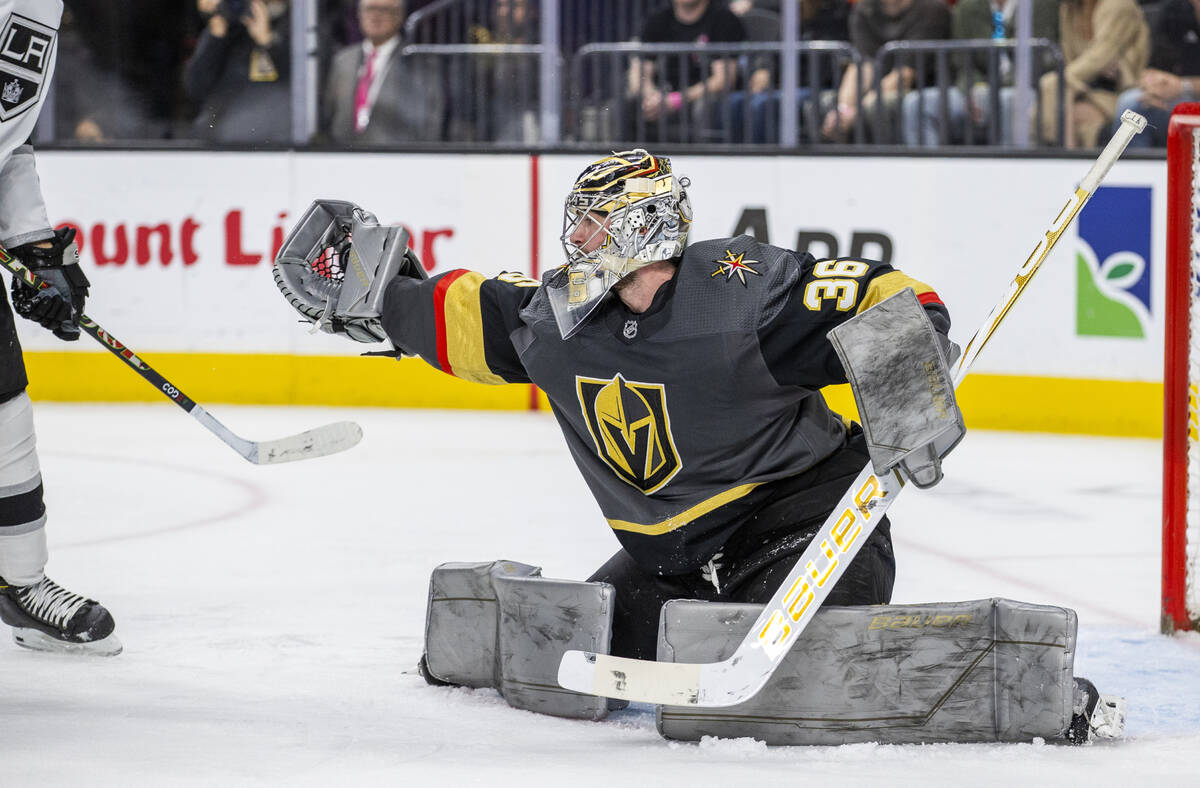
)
(59, 306)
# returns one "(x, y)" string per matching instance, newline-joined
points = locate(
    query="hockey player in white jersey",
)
(43, 615)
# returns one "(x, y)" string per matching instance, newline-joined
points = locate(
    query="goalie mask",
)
(624, 212)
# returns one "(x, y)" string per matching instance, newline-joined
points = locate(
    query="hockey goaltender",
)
(686, 380)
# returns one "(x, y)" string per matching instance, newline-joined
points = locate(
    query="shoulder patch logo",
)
(631, 429)
(26, 48)
(732, 264)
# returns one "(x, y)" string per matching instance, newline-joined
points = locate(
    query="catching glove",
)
(335, 265)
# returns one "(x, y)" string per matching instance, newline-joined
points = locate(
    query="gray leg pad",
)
(540, 619)
(460, 622)
(981, 671)
(499, 624)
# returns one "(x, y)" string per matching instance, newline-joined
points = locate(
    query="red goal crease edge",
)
(1177, 412)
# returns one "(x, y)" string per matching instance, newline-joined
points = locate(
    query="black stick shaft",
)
(111, 343)
(114, 346)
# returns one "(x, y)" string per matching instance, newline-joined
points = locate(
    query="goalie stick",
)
(326, 439)
(738, 678)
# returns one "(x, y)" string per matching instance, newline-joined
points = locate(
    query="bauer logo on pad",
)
(1112, 264)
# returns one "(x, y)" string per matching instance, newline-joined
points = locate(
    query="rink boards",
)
(178, 248)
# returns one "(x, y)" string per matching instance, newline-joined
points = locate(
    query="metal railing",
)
(604, 88)
(447, 21)
(608, 83)
(579, 23)
(560, 86)
(947, 75)
(493, 90)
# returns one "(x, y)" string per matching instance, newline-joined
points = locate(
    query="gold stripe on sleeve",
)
(881, 287)
(464, 330)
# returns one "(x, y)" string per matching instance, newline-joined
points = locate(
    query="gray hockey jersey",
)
(675, 416)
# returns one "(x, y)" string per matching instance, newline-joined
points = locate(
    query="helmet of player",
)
(624, 212)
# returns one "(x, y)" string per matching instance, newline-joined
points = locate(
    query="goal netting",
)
(1181, 379)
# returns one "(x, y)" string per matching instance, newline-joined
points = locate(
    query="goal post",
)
(1181, 376)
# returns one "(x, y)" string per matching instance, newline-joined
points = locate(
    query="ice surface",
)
(272, 616)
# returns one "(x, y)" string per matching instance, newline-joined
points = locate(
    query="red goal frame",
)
(1179, 407)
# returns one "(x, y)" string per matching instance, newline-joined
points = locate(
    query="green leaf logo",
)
(1096, 313)
(1119, 271)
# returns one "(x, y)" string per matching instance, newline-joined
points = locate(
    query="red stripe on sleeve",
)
(439, 317)
(930, 298)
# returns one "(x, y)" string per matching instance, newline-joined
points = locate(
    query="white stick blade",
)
(667, 683)
(318, 442)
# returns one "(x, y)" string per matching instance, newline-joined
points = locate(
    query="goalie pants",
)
(754, 564)
(22, 511)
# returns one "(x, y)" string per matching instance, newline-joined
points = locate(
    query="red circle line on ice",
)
(254, 498)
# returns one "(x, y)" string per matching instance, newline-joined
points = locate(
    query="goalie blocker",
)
(899, 369)
(979, 671)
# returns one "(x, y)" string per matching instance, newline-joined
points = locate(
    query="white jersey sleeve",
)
(28, 49)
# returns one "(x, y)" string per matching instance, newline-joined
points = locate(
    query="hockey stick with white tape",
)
(738, 678)
(326, 439)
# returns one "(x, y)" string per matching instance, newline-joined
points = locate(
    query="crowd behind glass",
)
(395, 73)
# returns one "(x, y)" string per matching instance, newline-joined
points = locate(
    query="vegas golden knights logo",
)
(631, 429)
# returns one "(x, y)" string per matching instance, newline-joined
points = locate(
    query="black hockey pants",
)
(759, 557)
(12, 366)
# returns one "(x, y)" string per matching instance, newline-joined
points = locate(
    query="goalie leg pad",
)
(460, 621)
(992, 670)
(540, 620)
(902, 385)
(501, 625)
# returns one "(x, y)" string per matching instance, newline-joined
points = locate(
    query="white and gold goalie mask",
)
(624, 212)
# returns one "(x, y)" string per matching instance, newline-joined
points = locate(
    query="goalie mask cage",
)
(1181, 377)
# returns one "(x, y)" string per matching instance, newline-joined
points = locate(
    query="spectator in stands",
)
(688, 84)
(92, 103)
(761, 22)
(1172, 76)
(118, 69)
(874, 23)
(972, 97)
(819, 20)
(824, 20)
(510, 80)
(1106, 45)
(238, 74)
(744, 117)
(372, 95)
(510, 22)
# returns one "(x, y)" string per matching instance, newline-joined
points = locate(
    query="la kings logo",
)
(26, 47)
(631, 429)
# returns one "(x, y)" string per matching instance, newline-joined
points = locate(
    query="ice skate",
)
(47, 617)
(1095, 716)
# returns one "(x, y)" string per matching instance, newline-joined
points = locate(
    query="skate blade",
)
(39, 641)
